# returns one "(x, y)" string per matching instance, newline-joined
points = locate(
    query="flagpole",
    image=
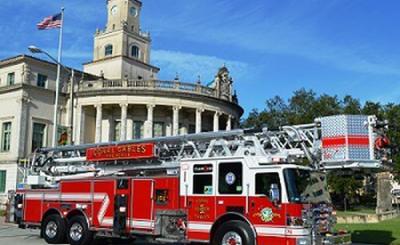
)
(60, 43)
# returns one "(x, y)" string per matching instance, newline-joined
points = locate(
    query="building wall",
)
(111, 68)
(10, 112)
(11, 181)
(23, 104)
(18, 69)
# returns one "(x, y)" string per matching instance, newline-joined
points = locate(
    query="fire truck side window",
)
(202, 179)
(230, 178)
(202, 184)
(264, 181)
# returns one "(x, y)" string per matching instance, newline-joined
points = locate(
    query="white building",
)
(117, 97)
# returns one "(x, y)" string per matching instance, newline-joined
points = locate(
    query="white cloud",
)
(189, 66)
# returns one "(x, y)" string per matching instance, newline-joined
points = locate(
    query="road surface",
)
(10, 234)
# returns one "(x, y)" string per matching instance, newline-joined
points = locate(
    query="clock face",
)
(114, 10)
(133, 11)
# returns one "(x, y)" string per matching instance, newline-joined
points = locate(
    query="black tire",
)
(78, 232)
(53, 229)
(236, 227)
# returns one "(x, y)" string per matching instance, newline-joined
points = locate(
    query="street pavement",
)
(11, 235)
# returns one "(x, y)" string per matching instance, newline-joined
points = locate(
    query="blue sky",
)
(272, 47)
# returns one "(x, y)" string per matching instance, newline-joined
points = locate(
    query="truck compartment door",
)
(142, 204)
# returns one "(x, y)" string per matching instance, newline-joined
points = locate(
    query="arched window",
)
(108, 50)
(135, 51)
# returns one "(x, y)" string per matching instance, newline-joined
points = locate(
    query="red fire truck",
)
(225, 188)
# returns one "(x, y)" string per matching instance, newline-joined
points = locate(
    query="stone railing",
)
(152, 85)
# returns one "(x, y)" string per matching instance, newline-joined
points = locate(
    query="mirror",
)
(274, 194)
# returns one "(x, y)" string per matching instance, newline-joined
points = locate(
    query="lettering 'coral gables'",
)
(112, 153)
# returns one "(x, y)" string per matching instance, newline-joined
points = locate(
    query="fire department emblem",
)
(266, 215)
(230, 178)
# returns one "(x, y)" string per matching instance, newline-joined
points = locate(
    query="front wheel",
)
(234, 232)
(53, 229)
(78, 232)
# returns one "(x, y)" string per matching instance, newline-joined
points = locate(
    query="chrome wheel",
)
(232, 238)
(51, 229)
(76, 232)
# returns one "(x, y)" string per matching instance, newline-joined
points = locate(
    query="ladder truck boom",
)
(316, 143)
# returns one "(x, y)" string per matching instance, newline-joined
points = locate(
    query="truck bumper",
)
(342, 239)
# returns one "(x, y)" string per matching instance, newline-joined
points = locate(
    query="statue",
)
(223, 83)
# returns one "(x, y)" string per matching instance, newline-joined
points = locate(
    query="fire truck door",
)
(142, 204)
(231, 188)
(261, 210)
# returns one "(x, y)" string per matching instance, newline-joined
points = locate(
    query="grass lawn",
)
(386, 232)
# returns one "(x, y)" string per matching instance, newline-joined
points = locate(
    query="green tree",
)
(305, 105)
(351, 106)
(300, 107)
(343, 189)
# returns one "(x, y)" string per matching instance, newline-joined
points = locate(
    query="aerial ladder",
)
(328, 143)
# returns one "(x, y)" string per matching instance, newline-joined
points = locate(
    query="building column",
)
(124, 117)
(175, 120)
(99, 122)
(129, 129)
(216, 121)
(79, 134)
(198, 120)
(229, 123)
(149, 123)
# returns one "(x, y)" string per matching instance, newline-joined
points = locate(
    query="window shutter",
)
(2, 181)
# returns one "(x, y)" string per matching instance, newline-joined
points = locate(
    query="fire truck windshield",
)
(306, 186)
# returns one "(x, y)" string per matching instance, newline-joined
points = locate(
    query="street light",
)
(36, 50)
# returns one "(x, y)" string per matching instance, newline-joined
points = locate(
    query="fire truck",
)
(230, 187)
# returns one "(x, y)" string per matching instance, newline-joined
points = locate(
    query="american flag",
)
(51, 22)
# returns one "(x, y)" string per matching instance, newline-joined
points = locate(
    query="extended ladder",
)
(289, 144)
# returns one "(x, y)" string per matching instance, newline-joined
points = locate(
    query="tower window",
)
(135, 51)
(108, 50)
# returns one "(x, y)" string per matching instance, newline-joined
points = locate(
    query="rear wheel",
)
(234, 232)
(78, 232)
(53, 229)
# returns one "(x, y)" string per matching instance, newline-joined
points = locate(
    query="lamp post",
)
(36, 50)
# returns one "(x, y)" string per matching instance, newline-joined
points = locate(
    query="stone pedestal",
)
(383, 195)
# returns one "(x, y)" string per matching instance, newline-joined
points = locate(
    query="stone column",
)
(124, 114)
(198, 120)
(80, 133)
(175, 120)
(99, 122)
(229, 123)
(129, 129)
(149, 123)
(216, 121)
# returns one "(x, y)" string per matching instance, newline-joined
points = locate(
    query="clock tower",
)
(122, 50)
